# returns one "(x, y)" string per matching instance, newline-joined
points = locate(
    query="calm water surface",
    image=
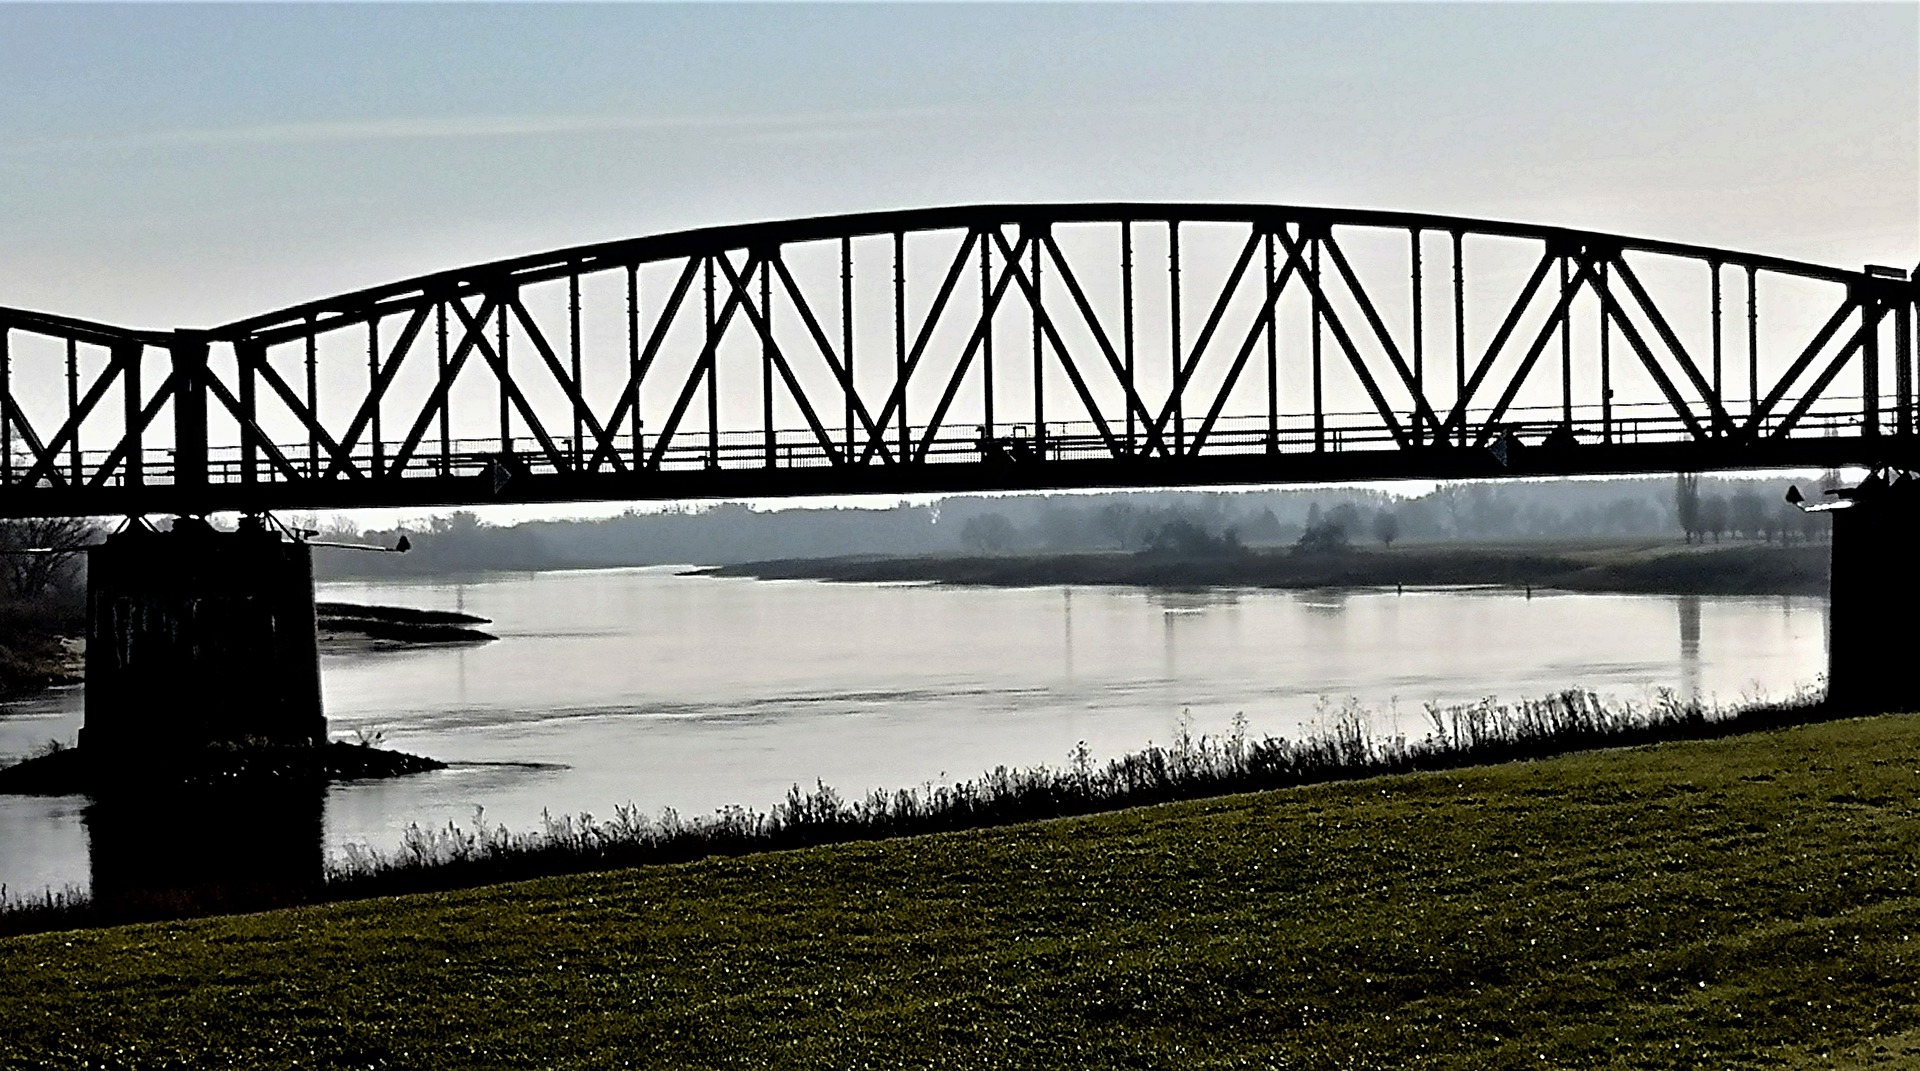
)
(641, 686)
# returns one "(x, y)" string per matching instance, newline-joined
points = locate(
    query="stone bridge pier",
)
(1875, 596)
(199, 638)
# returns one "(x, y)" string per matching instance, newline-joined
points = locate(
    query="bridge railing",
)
(1296, 435)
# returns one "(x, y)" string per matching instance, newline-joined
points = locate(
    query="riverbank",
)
(1637, 567)
(66, 771)
(33, 662)
(344, 623)
(1737, 902)
(453, 857)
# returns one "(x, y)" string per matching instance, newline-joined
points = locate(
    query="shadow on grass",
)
(454, 857)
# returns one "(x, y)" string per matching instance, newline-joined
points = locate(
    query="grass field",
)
(1744, 902)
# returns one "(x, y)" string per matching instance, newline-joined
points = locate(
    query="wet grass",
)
(1742, 902)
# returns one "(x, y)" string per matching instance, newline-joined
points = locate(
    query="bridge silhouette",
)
(971, 349)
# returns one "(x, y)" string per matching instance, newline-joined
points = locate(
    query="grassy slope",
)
(1745, 902)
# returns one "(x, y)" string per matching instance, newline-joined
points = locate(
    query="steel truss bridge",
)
(977, 348)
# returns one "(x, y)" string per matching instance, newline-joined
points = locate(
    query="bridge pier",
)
(1875, 590)
(199, 638)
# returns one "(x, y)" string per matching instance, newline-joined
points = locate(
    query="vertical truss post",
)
(573, 353)
(766, 357)
(1173, 274)
(1273, 354)
(713, 373)
(500, 346)
(189, 352)
(633, 362)
(1606, 365)
(900, 333)
(1753, 341)
(846, 335)
(986, 335)
(1566, 347)
(127, 354)
(1039, 367)
(1126, 324)
(1419, 342)
(313, 400)
(1718, 392)
(1903, 366)
(6, 408)
(1460, 330)
(73, 408)
(373, 387)
(440, 368)
(1319, 395)
(248, 354)
(1870, 310)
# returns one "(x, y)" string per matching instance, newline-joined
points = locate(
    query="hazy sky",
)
(176, 166)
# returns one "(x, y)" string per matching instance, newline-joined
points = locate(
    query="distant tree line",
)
(1188, 523)
(1744, 513)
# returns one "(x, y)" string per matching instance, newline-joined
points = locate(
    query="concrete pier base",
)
(197, 637)
(1871, 618)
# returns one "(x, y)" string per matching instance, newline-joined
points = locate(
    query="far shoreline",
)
(1642, 567)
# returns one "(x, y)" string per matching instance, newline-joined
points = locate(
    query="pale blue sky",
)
(172, 165)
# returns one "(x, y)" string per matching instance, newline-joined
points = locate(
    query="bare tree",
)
(35, 552)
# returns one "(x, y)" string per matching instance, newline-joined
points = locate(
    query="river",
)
(647, 687)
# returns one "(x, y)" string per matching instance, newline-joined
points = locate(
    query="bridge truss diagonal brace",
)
(1059, 348)
(477, 329)
(1134, 404)
(897, 398)
(1870, 316)
(1457, 417)
(1276, 285)
(473, 332)
(742, 287)
(702, 367)
(876, 436)
(603, 439)
(250, 431)
(1616, 314)
(1422, 410)
(377, 390)
(47, 461)
(1560, 319)
(1295, 255)
(637, 375)
(1156, 430)
(1722, 423)
(1758, 418)
(130, 447)
(994, 296)
(255, 359)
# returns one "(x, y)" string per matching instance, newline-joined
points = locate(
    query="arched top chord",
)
(357, 306)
